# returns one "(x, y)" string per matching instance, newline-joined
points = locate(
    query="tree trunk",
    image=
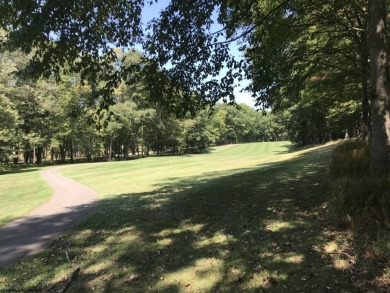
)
(110, 150)
(126, 151)
(62, 152)
(380, 96)
(366, 123)
(133, 149)
(346, 134)
(71, 151)
(38, 155)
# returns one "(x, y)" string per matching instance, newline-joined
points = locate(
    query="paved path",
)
(33, 232)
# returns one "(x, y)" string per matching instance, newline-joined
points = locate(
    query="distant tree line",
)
(56, 121)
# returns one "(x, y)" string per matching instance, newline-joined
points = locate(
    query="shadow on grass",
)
(18, 171)
(25, 235)
(289, 149)
(256, 231)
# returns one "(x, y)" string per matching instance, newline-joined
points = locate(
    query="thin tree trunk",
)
(380, 96)
(346, 134)
(71, 151)
(126, 151)
(38, 155)
(110, 150)
(366, 123)
(62, 152)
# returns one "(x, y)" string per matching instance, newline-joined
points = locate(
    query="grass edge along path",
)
(21, 191)
(264, 229)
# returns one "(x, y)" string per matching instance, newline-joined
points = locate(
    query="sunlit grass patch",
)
(200, 275)
(276, 226)
(21, 192)
(342, 264)
(331, 246)
(263, 280)
(219, 238)
(184, 226)
(289, 257)
(383, 281)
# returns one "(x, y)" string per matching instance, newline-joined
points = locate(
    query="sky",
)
(149, 12)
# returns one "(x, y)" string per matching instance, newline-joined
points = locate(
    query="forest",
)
(50, 121)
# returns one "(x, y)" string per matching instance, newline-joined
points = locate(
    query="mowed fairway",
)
(148, 174)
(242, 218)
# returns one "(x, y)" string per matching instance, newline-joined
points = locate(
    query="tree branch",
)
(263, 20)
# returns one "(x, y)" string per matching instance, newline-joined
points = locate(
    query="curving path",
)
(28, 235)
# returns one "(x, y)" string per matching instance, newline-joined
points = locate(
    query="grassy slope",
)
(151, 173)
(20, 192)
(189, 224)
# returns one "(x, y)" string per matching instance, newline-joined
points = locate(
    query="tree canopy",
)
(46, 120)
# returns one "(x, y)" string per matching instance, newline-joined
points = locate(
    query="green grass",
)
(111, 179)
(245, 218)
(21, 191)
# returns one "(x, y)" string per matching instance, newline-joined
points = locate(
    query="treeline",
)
(49, 120)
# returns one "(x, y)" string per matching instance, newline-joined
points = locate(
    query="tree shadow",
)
(289, 149)
(28, 234)
(262, 230)
(18, 171)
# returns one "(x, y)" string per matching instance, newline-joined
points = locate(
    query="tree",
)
(78, 34)
(309, 51)
(197, 132)
(8, 128)
(9, 118)
(380, 93)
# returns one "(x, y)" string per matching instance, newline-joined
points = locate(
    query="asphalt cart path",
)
(31, 233)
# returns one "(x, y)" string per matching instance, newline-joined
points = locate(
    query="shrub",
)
(351, 158)
(360, 200)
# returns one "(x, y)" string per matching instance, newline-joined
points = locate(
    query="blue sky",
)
(152, 11)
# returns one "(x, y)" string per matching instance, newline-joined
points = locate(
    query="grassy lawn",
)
(149, 174)
(21, 191)
(245, 218)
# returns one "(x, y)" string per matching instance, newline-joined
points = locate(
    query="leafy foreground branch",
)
(263, 229)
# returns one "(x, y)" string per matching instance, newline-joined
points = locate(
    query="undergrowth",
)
(360, 200)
